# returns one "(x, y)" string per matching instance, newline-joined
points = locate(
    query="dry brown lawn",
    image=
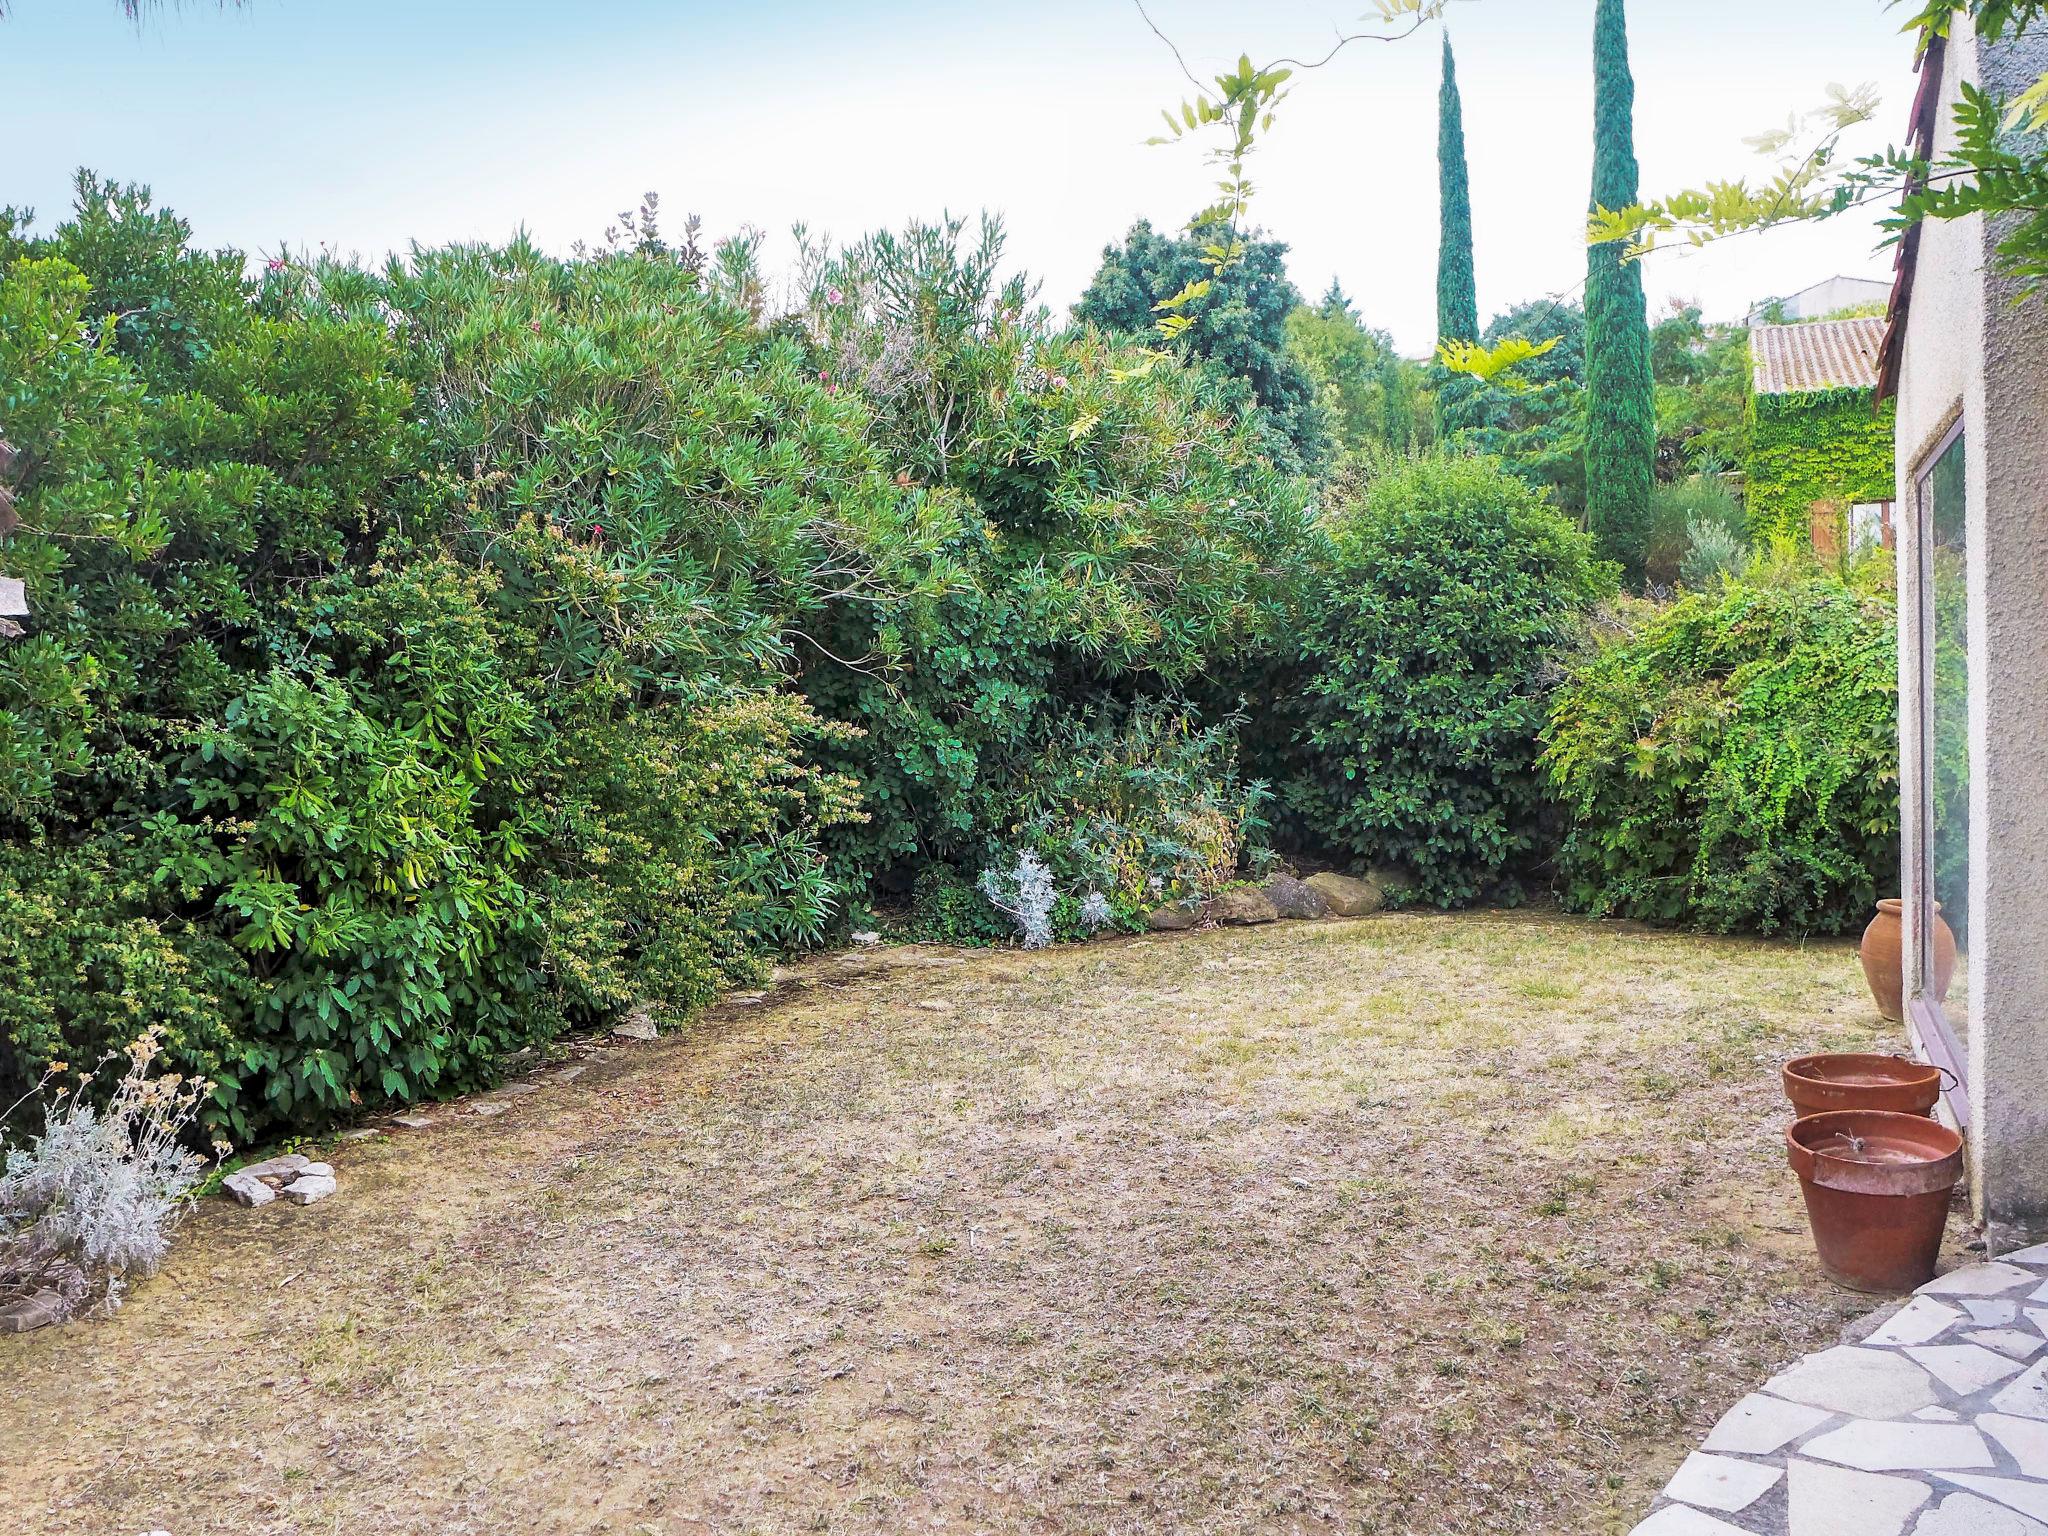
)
(1414, 1224)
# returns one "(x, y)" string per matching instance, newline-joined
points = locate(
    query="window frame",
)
(1929, 1019)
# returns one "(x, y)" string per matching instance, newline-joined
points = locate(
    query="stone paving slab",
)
(1936, 1424)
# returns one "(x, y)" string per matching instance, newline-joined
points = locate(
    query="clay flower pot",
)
(1882, 955)
(1877, 1191)
(1817, 1085)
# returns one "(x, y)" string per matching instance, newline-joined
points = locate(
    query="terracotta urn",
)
(1882, 955)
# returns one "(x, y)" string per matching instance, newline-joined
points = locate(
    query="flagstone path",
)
(1934, 1424)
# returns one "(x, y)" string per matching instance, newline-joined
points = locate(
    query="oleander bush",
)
(1731, 760)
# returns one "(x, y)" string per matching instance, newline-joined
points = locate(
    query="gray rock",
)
(414, 1122)
(867, 937)
(487, 1107)
(637, 1025)
(1174, 917)
(1242, 907)
(37, 1310)
(307, 1188)
(246, 1189)
(276, 1167)
(1296, 898)
(1346, 895)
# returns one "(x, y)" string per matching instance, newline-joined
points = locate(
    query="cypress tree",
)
(1621, 420)
(1457, 299)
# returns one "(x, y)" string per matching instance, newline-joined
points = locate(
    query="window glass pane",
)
(1948, 727)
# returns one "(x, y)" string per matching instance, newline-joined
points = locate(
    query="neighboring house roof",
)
(1816, 355)
(1920, 135)
(1838, 292)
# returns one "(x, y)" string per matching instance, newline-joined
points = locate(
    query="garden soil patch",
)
(1412, 1224)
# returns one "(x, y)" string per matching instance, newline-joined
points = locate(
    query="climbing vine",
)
(1830, 445)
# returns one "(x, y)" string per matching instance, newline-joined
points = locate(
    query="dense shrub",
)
(409, 654)
(1731, 760)
(1681, 511)
(1120, 535)
(1431, 645)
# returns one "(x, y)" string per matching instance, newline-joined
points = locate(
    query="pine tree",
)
(1457, 299)
(1621, 421)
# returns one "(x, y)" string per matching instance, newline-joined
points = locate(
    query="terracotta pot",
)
(1877, 1193)
(1818, 1084)
(1882, 955)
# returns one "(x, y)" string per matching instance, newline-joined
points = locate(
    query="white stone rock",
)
(637, 1025)
(867, 937)
(2029, 1499)
(1839, 1501)
(2028, 1396)
(1724, 1483)
(1759, 1425)
(1677, 1520)
(1964, 1368)
(1938, 1415)
(2038, 1316)
(487, 1108)
(2039, 1293)
(246, 1189)
(1877, 1446)
(2025, 1440)
(317, 1171)
(307, 1188)
(291, 1162)
(1979, 1280)
(1992, 1314)
(1868, 1383)
(2038, 1254)
(1920, 1321)
(2016, 1342)
(1964, 1514)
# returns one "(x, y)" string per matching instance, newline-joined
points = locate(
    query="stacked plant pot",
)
(1875, 1167)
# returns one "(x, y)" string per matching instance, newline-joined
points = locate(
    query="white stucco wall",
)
(1969, 347)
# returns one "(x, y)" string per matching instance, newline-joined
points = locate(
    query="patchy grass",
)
(1410, 1225)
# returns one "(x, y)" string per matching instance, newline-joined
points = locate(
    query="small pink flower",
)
(276, 263)
(834, 296)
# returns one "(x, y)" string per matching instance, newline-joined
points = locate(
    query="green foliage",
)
(1453, 587)
(406, 669)
(1457, 300)
(1712, 550)
(1237, 328)
(1833, 445)
(1732, 760)
(1621, 425)
(1533, 419)
(1701, 373)
(1679, 512)
(1147, 811)
(1373, 401)
(1119, 536)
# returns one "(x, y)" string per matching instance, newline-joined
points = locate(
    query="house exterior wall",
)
(1969, 349)
(1825, 298)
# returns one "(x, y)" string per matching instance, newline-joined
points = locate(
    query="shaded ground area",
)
(1414, 1224)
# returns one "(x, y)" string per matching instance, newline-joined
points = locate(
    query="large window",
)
(1944, 845)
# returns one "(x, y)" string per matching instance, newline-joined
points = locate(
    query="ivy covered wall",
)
(1829, 446)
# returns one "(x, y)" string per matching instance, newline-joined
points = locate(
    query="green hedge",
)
(1826, 446)
(1731, 761)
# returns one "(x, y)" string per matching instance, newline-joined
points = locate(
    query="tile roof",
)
(1816, 354)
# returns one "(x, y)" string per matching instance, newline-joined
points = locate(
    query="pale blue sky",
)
(363, 124)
